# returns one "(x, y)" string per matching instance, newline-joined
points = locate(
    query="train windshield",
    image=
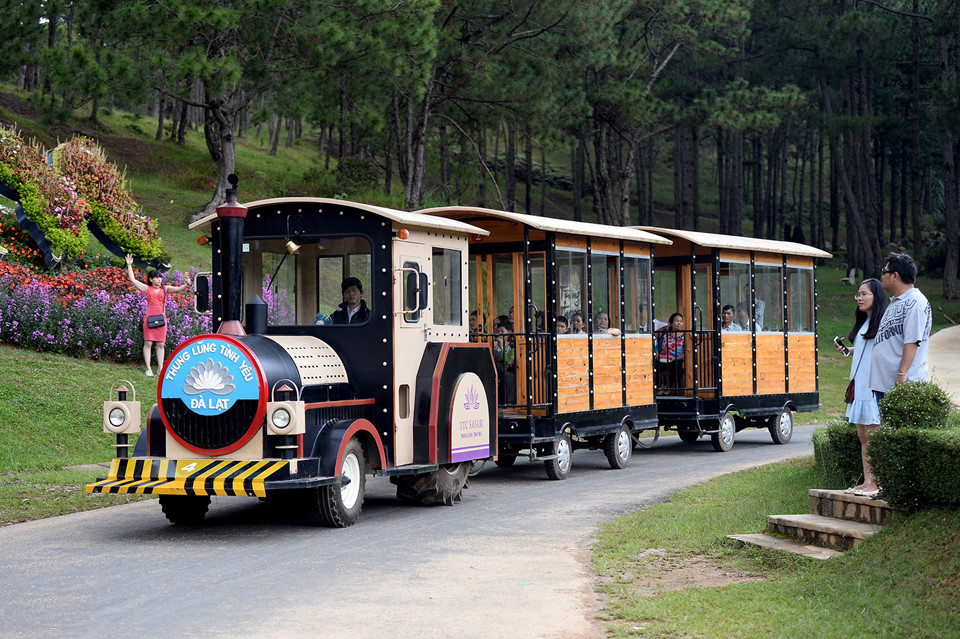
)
(321, 281)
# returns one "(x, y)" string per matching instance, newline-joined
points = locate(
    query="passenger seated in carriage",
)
(670, 353)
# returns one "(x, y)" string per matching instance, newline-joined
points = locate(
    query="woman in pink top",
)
(156, 296)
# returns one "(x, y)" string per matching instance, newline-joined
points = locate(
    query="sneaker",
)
(149, 373)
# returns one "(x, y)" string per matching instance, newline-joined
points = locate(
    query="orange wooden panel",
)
(572, 241)
(737, 388)
(768, 258)
(737, 256)
(605, 244)
(799, 260)
(573, 403)
(632, 249)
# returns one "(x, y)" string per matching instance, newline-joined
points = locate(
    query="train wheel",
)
(647, 437)
(442, 486)
(505, 461)
(185, 510)
(618, 447)
(781, 427)
(689, 436)
(339, 504)
(723, 440)
(559, 467)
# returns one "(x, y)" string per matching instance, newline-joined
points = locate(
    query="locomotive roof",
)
(551, 224)
(715, 240)
(406, 218)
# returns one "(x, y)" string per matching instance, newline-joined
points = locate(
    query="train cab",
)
(565, 307)
(736, 342)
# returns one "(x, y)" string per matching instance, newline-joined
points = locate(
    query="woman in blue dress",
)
(863, 410)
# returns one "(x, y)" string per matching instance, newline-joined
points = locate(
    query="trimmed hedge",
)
(915, 405)
(917, 467)
(836, 451)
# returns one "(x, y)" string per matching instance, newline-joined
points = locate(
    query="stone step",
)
(787, 545)
(829, 532)
(838, 504)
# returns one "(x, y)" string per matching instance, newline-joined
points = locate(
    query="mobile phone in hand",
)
(839, 342)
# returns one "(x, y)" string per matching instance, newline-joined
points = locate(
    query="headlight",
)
(281, 418)
(117, 417)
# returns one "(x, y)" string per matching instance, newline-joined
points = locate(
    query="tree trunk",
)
(444, 162)
(951, 199)
(528, 171)
(915, 126)
(576, 170)
(510, 170)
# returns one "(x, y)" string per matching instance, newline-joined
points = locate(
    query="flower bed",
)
(112, 208)
(89, 313)
(48, 200)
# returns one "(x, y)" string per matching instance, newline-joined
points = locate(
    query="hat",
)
(351, 281)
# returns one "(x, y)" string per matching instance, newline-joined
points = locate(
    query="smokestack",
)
(231, 216)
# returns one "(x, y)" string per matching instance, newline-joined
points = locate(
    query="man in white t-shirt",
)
(903, 337)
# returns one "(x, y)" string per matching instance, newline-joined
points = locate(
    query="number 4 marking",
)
(189, 468)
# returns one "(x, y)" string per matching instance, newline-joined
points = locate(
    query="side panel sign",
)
(469, 420)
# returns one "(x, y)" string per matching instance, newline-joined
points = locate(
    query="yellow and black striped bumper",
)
(189, 477)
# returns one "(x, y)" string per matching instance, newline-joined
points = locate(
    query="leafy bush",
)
(836, 450)
(918, 468)
(915, 405)
(113, 208)
(49, 200)
(357, 174)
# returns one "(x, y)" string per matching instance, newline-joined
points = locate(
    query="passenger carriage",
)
(757, 372)
(560, 392)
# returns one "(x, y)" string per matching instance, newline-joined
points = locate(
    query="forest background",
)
(832, 122)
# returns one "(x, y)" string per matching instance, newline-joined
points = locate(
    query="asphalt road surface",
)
(512, 560)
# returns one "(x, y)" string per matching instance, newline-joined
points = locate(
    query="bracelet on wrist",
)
(904, 374)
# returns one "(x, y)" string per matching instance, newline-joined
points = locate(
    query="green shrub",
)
(918, 468)
(836, 450)
(915, 405)
(357, 174)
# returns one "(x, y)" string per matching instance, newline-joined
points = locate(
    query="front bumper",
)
(227, 477)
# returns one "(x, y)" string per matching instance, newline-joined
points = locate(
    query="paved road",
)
(511, 561)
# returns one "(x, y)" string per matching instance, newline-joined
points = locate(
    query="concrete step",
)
(829, 532)
(786, 545)
(838, 504)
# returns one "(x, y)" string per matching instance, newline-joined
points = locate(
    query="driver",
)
(354, 309)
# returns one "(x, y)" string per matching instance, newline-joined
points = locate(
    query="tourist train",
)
(482, 335)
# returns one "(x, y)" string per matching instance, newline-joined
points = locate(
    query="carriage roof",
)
(550, 224)
(405, 218)
(716, 240)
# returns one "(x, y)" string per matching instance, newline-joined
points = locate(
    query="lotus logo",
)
(210, 377)
(473, 399)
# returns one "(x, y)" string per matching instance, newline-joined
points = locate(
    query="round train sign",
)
(209, 376)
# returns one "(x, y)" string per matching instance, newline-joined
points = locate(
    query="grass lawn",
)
(903, 582)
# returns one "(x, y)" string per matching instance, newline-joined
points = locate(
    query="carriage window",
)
(571, 282)
(447, 288)
(605, 288)
(636, 289)
(735, 296)
(800, 300)
(769, 298)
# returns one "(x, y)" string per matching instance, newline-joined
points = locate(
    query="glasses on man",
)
(886, 271)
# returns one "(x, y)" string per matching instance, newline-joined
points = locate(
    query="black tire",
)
(505, 461)
(185, 510)
(781, 427)
(723, 440)
(339, 504)
(647, 437)
(618, 447)
(689, 436)
(442, 486)
(559, 467)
